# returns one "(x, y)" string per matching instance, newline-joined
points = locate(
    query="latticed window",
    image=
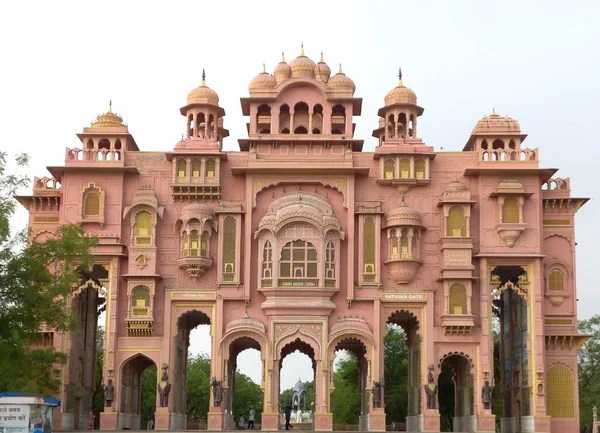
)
(330, 261)
(404, 244)
(298, 260)
(143, 229)
(185, 248)
(510, 210)
(404, 168)
(267, 261)
(181, 167)
(394, 241)
(210, 167)
(420, 169)
(458, 299)
(204, 239)
(194, 243)
(229, 239)
(557, 280)
(196, 164)
(92, 204)
(457, 223)
(140, 301)
(560, 392)
(388, 168)
(369, 245)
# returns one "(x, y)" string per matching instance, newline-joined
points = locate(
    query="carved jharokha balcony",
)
(403, 270)
(196, 265)
(140, 322)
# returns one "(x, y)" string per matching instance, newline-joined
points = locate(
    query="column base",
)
(414, 423)
(486, 423)
(323, 421)
(67, 421)
(124, 421)
(270, 421)
(178, 421)
(465, 424)
(215, 421)
(508, 425)
(376, 420)
(162, 418)
(108, 421)
(431, 422)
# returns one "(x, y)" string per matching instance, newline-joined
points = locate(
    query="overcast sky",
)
(61, 62)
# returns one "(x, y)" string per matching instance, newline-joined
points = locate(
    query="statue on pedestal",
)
(217, 390)
(109, 393)
(164, 387)
(377, 392)
(431, 388)
(486, 395)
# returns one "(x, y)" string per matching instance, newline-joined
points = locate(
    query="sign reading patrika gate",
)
(404, 297)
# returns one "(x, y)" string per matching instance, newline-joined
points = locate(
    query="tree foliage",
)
(148, 393)
(35, 285)
(345, 398)
(395, 361)
(589, 369)
(98, 396)
(285, 397)
(198, 387)
(247, 395)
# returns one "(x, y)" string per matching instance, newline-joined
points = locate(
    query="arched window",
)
(404, 244)
(498, 144)
(267, 261)
(186, 244)
(300, 130)
(140, 301)
(420, 168)
(298, 262)
(510, 210)
(484, 145)
(181, 167)
(557, 280)
(194, 243)
(329, 261)
(196, 164)
(229, 248)
(317, 119)
(210, 168)
(91, 206)
(404, 168)
(388, 168)
(458, 299)
(338, 119)
(143, 229)
(456, 223)
(204, 244)
(560, 394)
(394, 241)
(284, 119)
(369, 245)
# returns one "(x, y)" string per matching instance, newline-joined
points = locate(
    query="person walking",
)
(251, 419)
(288, 414)
(151, 418)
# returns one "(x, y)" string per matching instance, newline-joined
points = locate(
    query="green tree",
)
(148, 393)
(395, 359)
(285, 397)
(35, 286)
(589, 369)
(98, 396)
(198, 387)
(345, 398)
(247, 395)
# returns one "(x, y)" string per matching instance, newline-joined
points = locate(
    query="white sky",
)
(61, 62)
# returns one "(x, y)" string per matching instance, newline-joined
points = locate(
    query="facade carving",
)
(306, 239)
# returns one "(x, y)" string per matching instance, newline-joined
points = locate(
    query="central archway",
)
(456, 393)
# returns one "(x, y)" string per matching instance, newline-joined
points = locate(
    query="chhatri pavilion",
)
(303, 241)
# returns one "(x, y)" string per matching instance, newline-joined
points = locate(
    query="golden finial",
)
(321, 60)
(203, 84)
(400, 83)
(302, 49)
(340, 69)
(264, 69)
(282, 57)
(110, 106)
(494, 114)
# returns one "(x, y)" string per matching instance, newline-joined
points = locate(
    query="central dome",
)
(203, 94)
(400, 94)
(302, 66)
(495, 124)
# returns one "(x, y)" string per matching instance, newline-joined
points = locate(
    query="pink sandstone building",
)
(303, 241)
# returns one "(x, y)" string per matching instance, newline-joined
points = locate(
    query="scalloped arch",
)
(456, 353)
(338, 184)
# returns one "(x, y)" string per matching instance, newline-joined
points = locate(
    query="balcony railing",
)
(76, 155)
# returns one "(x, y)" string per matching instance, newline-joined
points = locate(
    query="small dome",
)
(282, 71)
(403, 216)
(264, 80)
(299, 386)
(108, 119)
(400, 94)
(203, 94)
(322, 71)
(341, 81)
(496, 124)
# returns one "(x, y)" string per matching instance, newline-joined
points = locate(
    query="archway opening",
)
(402, 370)
(456, 394)
(138, 392)
(192, 370)
(84, 386)
(510, 285)
(297, 369)
(349, 398)
(244, 396)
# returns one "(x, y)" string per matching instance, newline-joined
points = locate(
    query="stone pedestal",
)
(431, 422)
(162, 418)
(486, 423)
(215, 420)
(543, 424)
(414, 423)
(270, 421)
(527, 424)
(464, 423)
(363, 423)
(108, 421)
(323, 421)
(508, 425)
(124, 421)
(377, 420)
(68, 421)
(178, 421)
